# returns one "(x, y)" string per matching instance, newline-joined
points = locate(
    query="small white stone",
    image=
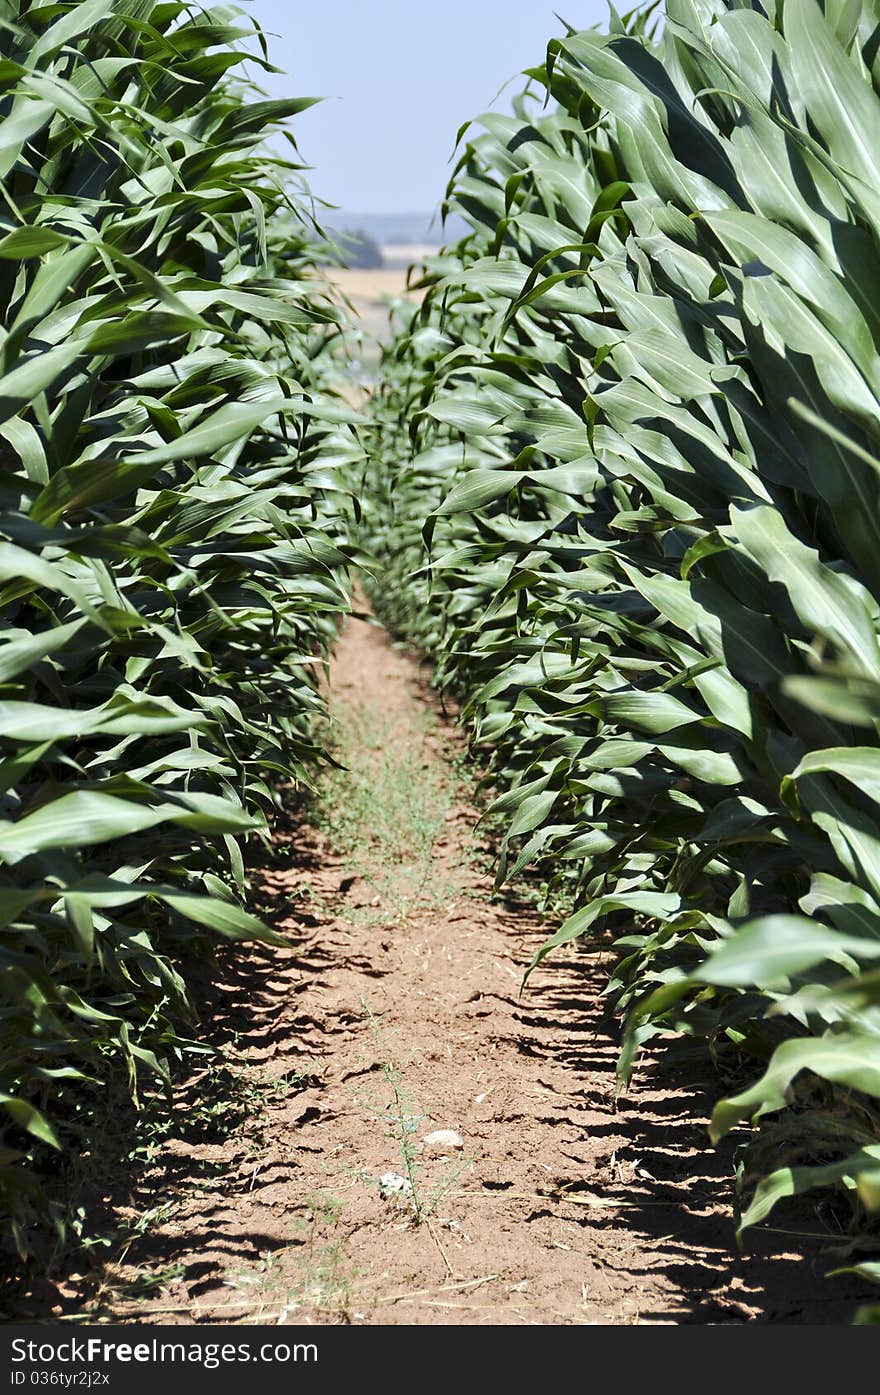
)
(392, 1184)
(442, 1141)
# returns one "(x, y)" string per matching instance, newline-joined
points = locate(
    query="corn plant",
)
(626, 489)
(174, 529)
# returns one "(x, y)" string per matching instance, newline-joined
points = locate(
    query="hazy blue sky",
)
(400, 77)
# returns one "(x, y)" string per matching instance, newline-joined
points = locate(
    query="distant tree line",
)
(359, 250)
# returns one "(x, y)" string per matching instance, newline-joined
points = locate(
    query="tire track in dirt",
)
(397, 1013)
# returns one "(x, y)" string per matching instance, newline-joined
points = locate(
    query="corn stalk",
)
(633, 510)
(174, 529)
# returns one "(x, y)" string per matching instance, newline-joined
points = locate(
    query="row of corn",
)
(174, 531)
(626, 490)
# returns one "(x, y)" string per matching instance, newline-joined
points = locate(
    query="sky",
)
(400, 77)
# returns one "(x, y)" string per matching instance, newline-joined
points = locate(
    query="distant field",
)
(370, 292)
(368, 288)
(403, 254)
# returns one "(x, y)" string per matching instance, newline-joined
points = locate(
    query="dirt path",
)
(398, 1015)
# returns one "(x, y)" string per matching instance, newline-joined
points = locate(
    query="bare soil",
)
(396, 1012)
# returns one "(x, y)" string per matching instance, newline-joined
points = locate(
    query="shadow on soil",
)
(680, 1198)
(677, 1197)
